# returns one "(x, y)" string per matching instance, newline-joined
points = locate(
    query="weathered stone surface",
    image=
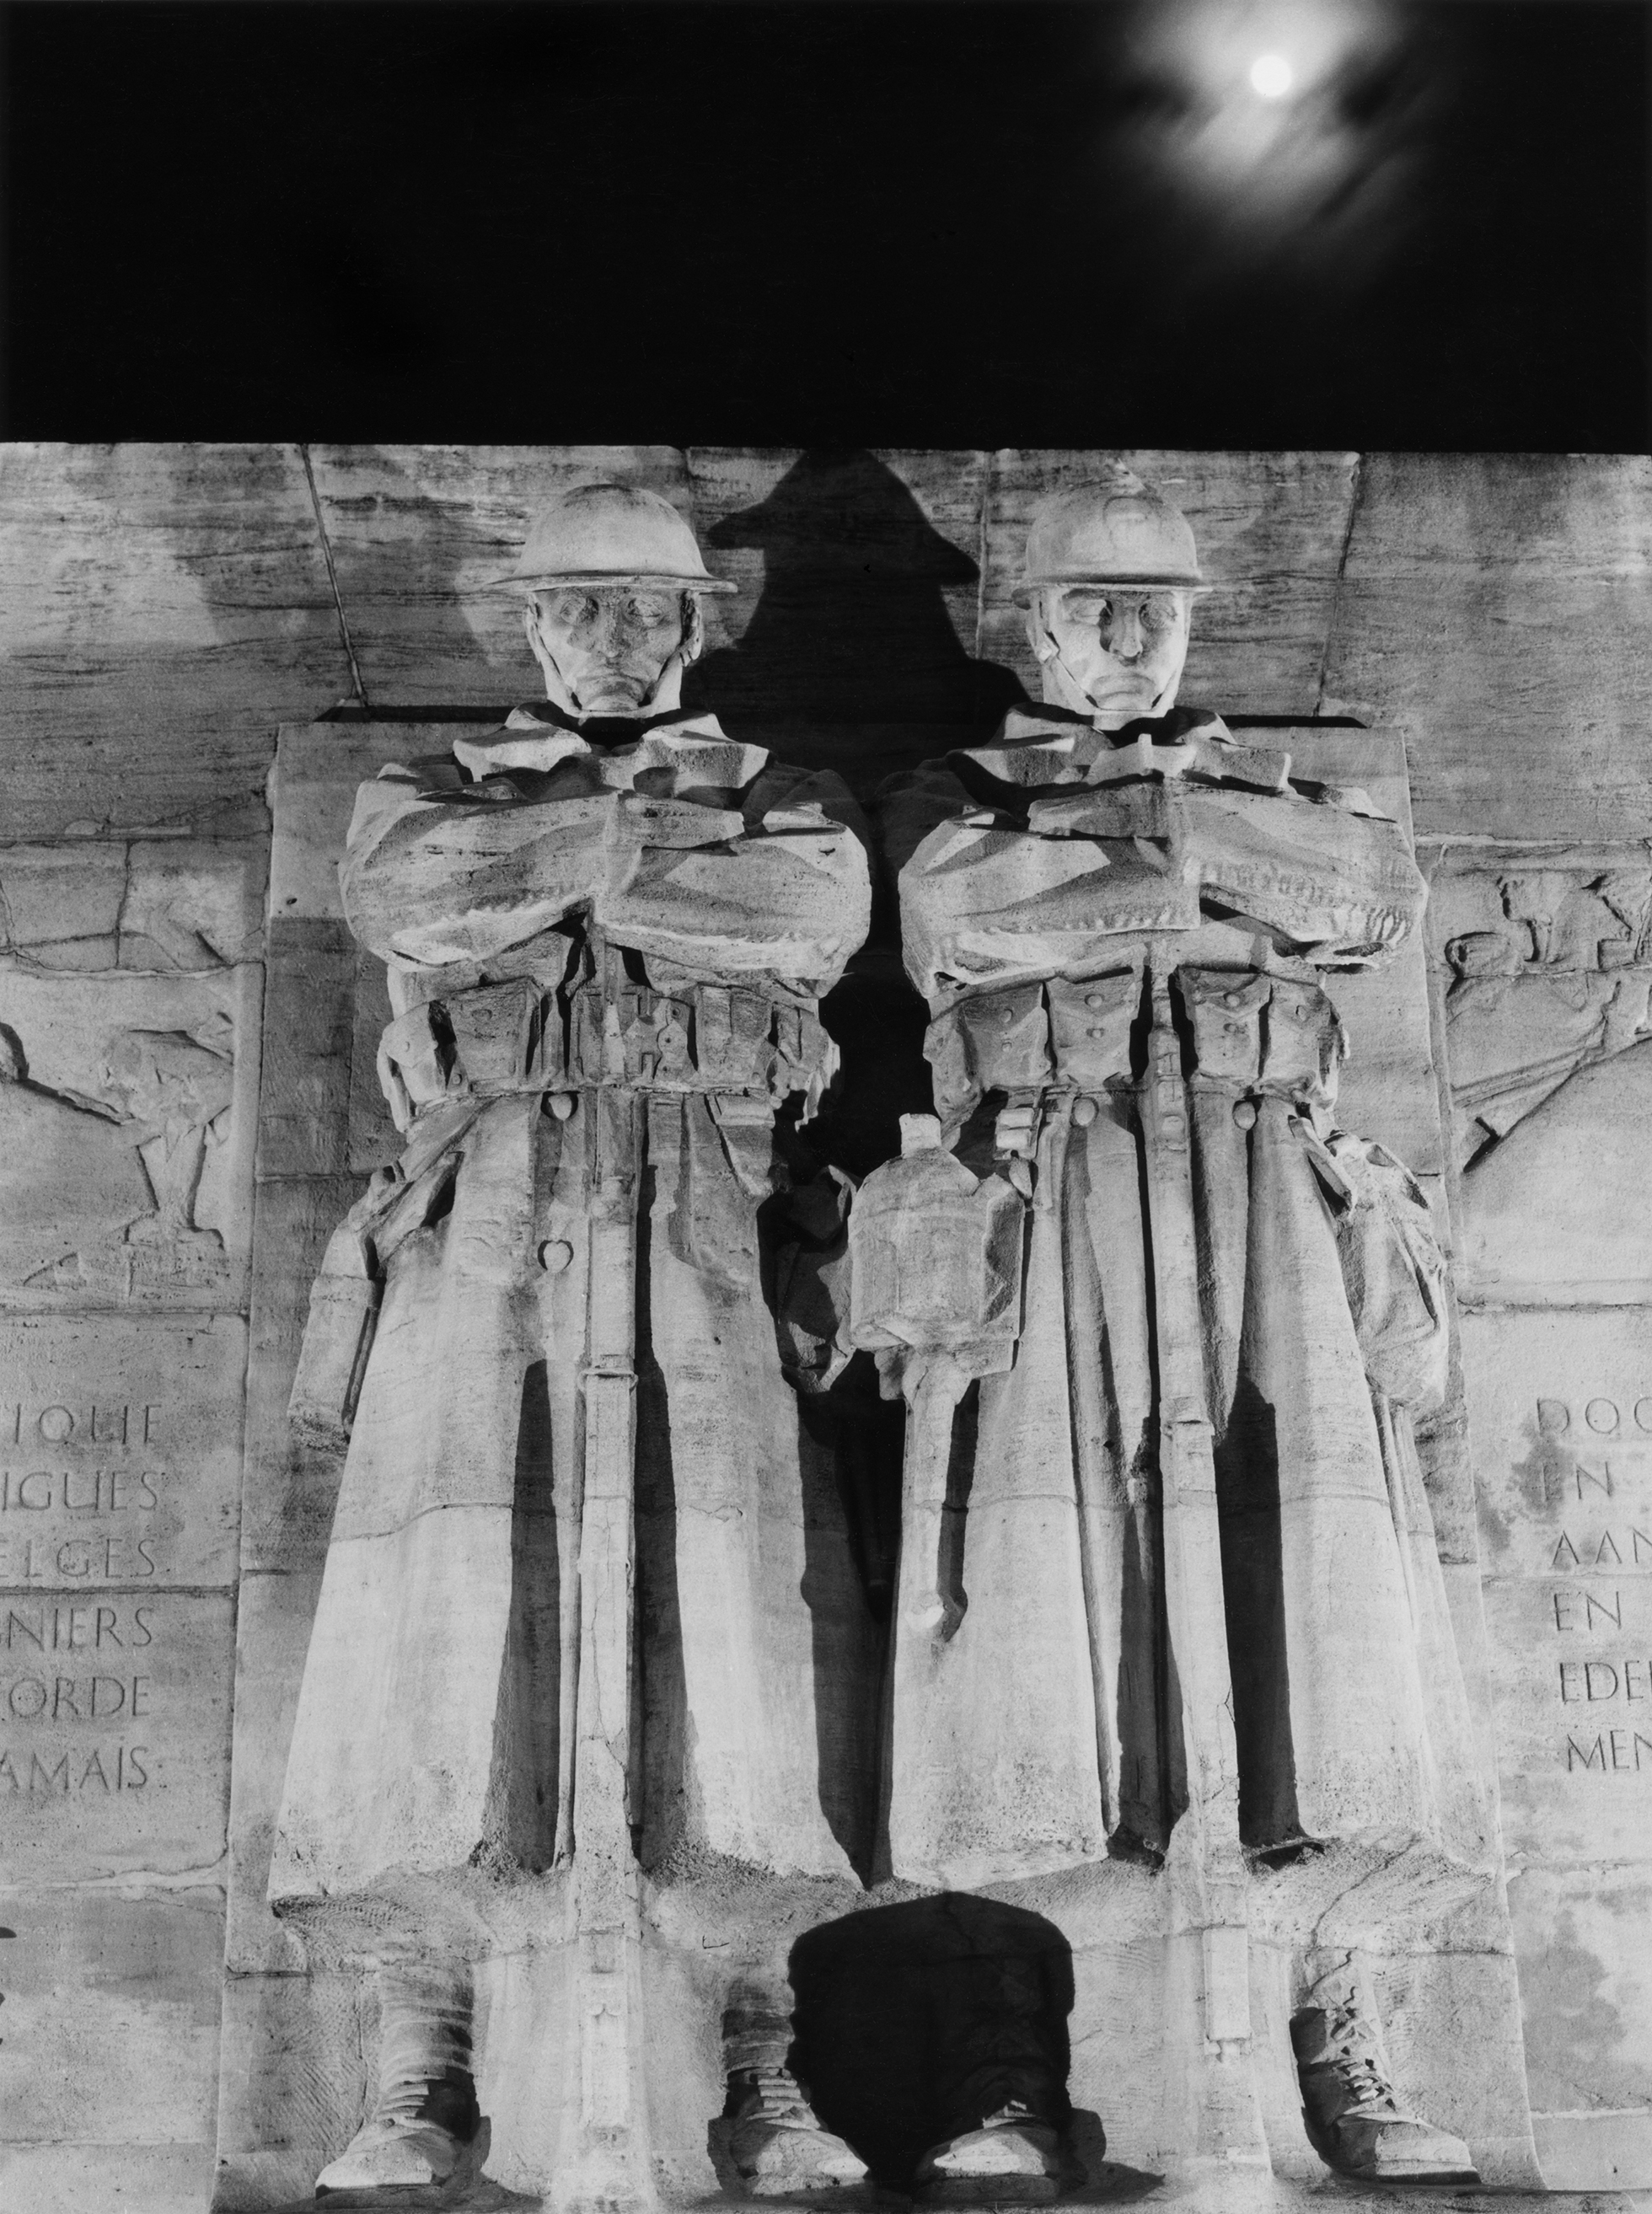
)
(318, 770)
(119, 1452)
(290, 1485)
(168, 606)
(1539, 735)
(112, 2023)
(1555, 1212)
(294, 2081)
(73, 2178)
(148, 905)
(304, 1107)
(165, 606)
(271, 1634)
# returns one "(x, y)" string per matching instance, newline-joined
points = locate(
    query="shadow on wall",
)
(852, 625)
(852, 661)
(914, 2022)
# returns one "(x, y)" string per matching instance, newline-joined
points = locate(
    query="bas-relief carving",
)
(128, 1060)
(1543, 963)
(1548, 970)
(605, 928)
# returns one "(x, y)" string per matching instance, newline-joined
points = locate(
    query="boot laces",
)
(1353, 2060)
(776, 2096)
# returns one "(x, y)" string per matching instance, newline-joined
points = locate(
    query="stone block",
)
(1556, 1211)
(192, 905)
(1597, 2151)
(119, 1452)
(152, 905)
(374, 1140)
(96, 2179)
(126, 1130)
(313, 784)
(304, 1104)
(1548, 554)
(110, 2019)
(291, 1485)
(295, 2081)
(165, 605)
(1117, 2032)
(272, 1637)
(1586, 1987)
(114, 1733)
(60, 906)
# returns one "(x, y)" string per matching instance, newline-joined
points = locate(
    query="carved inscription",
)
(120, 1442)
(55, 1518)
(1593, 1477)
(76, 1698)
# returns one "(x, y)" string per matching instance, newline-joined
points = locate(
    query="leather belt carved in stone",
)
(1268, 1035)
(520, 1036)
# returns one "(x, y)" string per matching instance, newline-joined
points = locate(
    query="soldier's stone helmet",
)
(1119, 530)
(611, 534)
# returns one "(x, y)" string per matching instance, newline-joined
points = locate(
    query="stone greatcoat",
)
(660, 967)
(1046, 881)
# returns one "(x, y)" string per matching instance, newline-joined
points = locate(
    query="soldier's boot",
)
(1355, 2121)
(1014, 2155)
(777, 2142)
(770, 2132)
(425, 2133)
(1007, 2109)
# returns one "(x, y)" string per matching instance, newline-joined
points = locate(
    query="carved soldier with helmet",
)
(1201, 1615)
(606, 926)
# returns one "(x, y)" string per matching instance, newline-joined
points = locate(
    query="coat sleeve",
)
(438, 870)
(989, 896)
(787, 894)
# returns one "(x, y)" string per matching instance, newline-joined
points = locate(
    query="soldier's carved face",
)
(1114, 650)
(607, 646)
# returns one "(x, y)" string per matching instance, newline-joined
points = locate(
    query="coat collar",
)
(539, 737)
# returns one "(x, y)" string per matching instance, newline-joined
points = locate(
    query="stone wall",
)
(165, 608)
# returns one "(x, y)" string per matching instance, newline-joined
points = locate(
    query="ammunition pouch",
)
(520, 1035)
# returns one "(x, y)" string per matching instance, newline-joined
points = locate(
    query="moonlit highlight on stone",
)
(1272, 75)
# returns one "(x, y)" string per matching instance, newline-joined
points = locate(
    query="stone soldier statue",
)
(1119, 916)
(606, 926)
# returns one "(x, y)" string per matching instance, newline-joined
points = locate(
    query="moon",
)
(1272, 75)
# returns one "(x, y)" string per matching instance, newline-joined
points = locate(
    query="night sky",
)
(903, 222)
